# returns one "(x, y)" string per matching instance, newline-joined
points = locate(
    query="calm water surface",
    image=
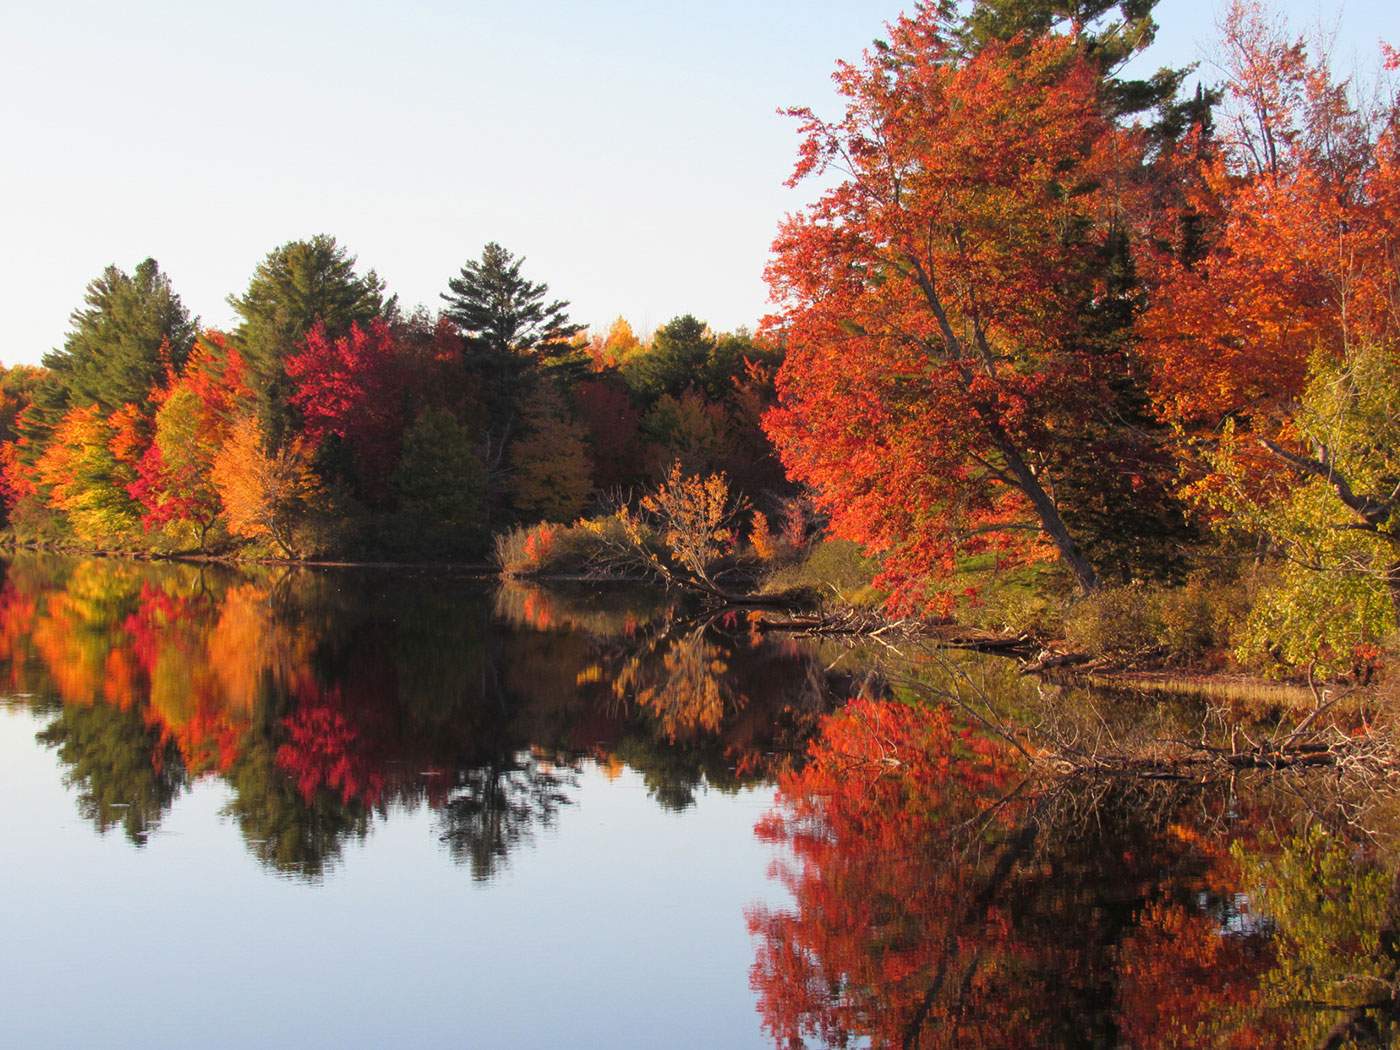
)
(363, 809)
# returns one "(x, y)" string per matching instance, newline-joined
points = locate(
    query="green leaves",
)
(131, 330)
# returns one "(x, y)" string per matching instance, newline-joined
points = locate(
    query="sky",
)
(632, 152)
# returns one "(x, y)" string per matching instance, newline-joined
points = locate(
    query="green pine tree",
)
(131, 328)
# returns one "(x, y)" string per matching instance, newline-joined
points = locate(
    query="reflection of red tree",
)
(324, 750)
(338, 735)
(936, 902)
(876, 932)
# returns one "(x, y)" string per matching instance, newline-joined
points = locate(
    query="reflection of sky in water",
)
(620, 926)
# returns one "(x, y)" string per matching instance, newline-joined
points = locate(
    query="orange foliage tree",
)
(175, 481)
(1299, 196)
(932, 302)
(84, 478)
(265, 494)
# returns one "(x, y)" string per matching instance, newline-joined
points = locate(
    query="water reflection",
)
(947, 886)
(328, 699)
(947, 894)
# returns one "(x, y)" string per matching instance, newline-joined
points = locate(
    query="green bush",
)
(1120, 623)
(832, 568)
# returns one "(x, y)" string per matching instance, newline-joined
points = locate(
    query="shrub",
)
(765, 544)
(524, 550)
(1122, 623)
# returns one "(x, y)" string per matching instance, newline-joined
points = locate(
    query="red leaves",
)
(932, 301)
(355, 387)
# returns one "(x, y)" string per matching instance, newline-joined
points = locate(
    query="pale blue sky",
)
(631, 151)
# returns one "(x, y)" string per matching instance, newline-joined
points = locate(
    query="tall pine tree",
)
(297, 285)
(131, 327)
(510, 329)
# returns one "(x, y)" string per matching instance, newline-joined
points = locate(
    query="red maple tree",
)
(932, 302)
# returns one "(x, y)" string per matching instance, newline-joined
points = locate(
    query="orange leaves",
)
(1299, 196)
(264, 493)
(878, 877)
(84, 478)
(765, 544)
(696, 519)
(933, 301)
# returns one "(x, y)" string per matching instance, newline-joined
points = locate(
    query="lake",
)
(368, 808)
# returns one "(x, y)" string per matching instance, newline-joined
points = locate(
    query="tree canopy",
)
(131, 329)
(933, 301)
(294, 287)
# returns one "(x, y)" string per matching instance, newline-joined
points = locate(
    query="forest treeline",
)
(1046, 321)
(330, 423)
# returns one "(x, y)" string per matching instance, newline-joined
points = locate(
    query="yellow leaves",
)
(615, 348)
(694, 517)
(690, 693)
(550, 468)
(84, 478)
(264, 494)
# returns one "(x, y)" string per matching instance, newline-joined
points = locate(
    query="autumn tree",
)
(550, 477)
(685, 429)
(683, 529)
(84, 479)
(19, 385)
(931, 302)
(175, 482)
(266, 494)
(1273, 342)
(132, 328)
(294, 287)
(613, 348)
(611, 421)
(355, 388)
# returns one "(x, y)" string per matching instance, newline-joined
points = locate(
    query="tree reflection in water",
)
(946, 893)
(494, 809)
(124, 773)
(326, 700)
(950, 886)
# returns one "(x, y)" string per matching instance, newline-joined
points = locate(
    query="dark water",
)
(369, 809)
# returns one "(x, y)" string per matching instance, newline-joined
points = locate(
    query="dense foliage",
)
(1038, 314)
(330, 424)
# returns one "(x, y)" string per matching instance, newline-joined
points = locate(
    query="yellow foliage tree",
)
(84, 478)
(265, 494)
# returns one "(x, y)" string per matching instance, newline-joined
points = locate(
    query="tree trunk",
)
(1392, 583)
(1045, 508)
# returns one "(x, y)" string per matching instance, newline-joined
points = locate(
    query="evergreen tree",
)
(675, 360)
(683, 355)
(440, 484)
(297, 285)
(510, 328)
(131, 328)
